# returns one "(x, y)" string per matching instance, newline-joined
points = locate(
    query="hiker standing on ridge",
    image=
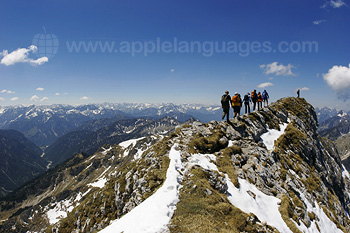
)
(298, 93)
(247, 101)
(226, 103)
(260, 100)
(236, 104)
(266, 97)
(240, 104)
(254, 98)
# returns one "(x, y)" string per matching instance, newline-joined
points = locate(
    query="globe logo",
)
(47, 44)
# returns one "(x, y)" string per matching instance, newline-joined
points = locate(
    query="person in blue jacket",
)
(266, 97)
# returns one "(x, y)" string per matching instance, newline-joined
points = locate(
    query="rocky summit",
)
(268, 171)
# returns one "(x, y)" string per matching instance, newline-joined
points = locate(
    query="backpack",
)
(252, 95)
(224, 100)
(235, 99)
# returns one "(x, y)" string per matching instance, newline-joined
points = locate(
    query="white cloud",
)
(2, 99)
(172, 70)
(337, 3)
(14, 98)
(317, 22)
(40, 89)
(57, 93)
(21, 56)
(302, 89)
(334, 4)
(44, 99)
(276, 69)
(263, 85)
(34, 98)
(7, 91)
(84, 98)
(338, 78)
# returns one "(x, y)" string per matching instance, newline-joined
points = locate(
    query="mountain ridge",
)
(121, 130)
(302, 173)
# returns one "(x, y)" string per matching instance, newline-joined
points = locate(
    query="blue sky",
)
(264, 43)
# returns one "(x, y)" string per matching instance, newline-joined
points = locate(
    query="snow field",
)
(153, 214)
(59, 211)
(272, 135)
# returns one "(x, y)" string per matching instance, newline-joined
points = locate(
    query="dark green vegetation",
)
(210, 144)
(20, 161)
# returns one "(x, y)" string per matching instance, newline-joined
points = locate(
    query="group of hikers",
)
(236, 102)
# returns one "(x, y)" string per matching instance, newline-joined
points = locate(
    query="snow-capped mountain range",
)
(326, 113)
(105, 110)
(44, 124)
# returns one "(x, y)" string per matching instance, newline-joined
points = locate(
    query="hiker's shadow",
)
(231, 124)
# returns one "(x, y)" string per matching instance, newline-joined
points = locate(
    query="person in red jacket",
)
(254, 98)
(260, 100)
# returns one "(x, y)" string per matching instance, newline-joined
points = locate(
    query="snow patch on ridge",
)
(131, 142)
(127, 143)
(345, 172)
(324, 223)
(59, 211)
(99, 183)
(154, 213)
(346, 175)
(265, 207)
(204, 160)
(272, 135)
